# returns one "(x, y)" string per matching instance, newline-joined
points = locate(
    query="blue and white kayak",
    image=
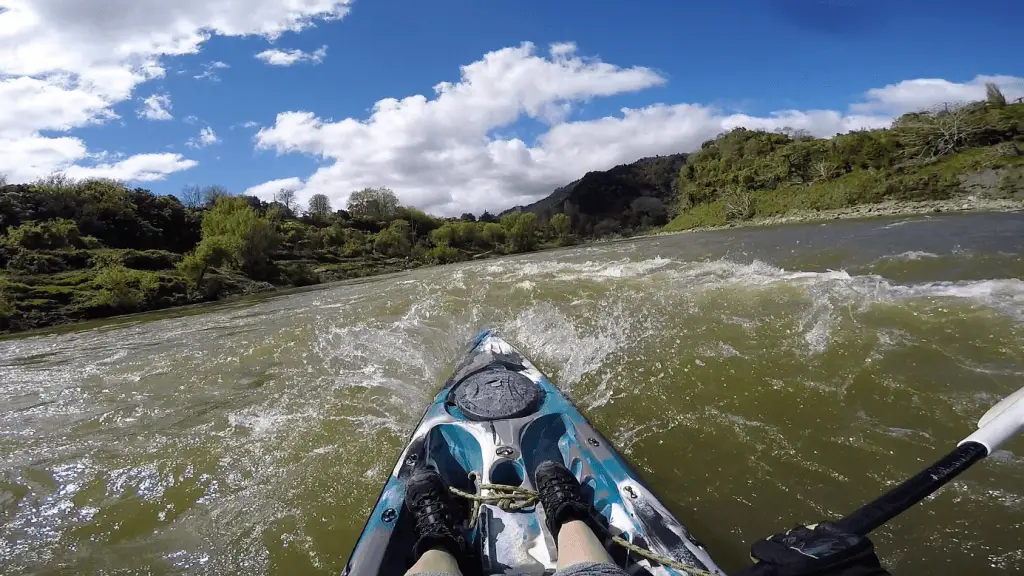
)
(499, 417)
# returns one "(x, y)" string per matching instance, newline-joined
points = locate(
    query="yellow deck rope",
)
(511, 498)
(506, 497)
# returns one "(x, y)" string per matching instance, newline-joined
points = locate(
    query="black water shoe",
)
(561, 495)
(428, 499)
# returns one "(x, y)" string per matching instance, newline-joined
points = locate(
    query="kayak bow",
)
(499, 417)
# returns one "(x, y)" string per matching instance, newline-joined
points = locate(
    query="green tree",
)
(276, 212)
(391, 242)
(210, 253)
(356, 243)
(420, 222)
(520, 231)
(493, 234)
(559, 227)
(468, 233)
(403, 228)
(448, 234)
(257, 246)
(442, 254)
(234, 234)
(378, 203)
(319, 204)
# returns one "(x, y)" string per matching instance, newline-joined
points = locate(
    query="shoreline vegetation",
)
(73, 251)
(885, 209)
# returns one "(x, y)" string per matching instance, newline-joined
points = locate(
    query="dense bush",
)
(115, 215)
(393, 241)
(299, 274)
(234, 235)
(520, 231)
(49, 234)
(150, 259)
(123, 288)
(29, 262)
(442, 254)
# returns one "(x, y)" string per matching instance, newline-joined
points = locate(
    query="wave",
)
(246, 406)
(913, 255)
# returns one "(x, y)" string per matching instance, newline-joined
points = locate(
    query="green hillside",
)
(973, 149)
(73, 251)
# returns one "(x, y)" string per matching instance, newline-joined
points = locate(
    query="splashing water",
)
(754, 386)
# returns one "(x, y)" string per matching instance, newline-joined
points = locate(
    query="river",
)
(756, 377)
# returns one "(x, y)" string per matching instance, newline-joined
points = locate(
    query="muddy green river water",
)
(756, 378)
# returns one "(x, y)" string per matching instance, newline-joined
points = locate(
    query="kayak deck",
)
(499, 417)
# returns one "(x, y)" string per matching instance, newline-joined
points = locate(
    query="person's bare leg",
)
(435, 562)
(577, 543)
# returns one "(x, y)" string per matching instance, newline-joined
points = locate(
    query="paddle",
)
(1001, 422)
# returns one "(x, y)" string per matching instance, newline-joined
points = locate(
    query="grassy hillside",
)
(954, 151)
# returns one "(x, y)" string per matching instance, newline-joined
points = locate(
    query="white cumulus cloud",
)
(266, 190)
(276, 57)
(156, 107)
(206, 137)
(436, 152)
(922, 93)
(64, 65)
(141, 167)
(442, 154)
(26, 157)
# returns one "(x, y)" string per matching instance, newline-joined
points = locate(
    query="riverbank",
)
(42, 301)
(893, 208)
(65, 310)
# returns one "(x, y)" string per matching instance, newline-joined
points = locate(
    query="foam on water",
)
(574, 352)
(569, 271)
(914, 255)
(279, 419)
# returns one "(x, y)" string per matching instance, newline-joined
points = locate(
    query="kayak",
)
(494, 420)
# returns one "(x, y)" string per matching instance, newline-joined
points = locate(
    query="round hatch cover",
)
(496, 393)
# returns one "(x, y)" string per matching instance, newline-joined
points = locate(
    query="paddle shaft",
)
(896, 501)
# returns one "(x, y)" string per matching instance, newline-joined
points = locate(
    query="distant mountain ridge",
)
(630, 195)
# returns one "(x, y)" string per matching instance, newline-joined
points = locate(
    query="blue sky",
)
(527, 120)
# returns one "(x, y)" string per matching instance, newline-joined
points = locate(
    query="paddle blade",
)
(1014, 403)
(1002, 421)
